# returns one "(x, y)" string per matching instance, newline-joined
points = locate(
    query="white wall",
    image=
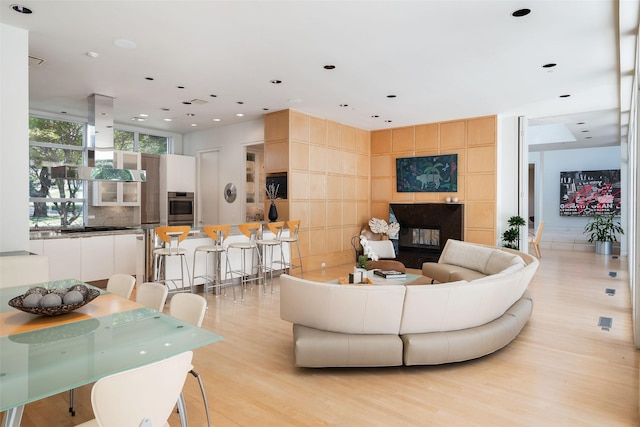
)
(508, 202)
(14, 139)
(231, 140)
(549, 164)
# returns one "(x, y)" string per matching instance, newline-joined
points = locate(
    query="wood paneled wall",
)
(474, 140)
(328, 166)
(340, 176)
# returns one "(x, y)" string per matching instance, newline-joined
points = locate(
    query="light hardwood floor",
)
(562, 370)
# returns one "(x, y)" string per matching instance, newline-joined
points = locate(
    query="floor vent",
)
(610, 292)
(605, 323)
(612, 274)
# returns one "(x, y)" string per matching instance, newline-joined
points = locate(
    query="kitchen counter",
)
(84, 232)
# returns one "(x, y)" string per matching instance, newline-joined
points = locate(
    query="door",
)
(208, 188)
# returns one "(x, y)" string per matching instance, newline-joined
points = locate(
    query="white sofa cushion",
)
(341, 308)
(383, 248)
(459, 305)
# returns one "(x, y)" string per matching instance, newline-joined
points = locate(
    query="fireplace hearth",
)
(424, 230)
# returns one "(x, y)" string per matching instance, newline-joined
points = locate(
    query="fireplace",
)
(424, 230)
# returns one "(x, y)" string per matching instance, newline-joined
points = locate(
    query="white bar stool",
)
(268, 245)
(251, 231)
(217, 233)
(171, 236)
(292, 237)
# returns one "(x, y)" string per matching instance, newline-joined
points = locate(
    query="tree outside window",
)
(55, 202)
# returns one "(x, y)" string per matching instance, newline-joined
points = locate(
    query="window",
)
(136, 141)
(55, 202)
(61, 202)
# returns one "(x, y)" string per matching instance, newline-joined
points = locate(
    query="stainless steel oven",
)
(180, 208)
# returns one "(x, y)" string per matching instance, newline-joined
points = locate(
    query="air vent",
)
(35, 62)
(198, 101)
(605, 323)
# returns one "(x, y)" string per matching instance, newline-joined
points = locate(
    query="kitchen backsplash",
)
(114, 215)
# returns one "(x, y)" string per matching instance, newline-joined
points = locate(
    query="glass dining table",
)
(44, 355)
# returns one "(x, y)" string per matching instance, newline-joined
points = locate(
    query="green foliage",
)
(603, 228)
(511, 236)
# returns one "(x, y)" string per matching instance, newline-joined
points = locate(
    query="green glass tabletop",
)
(41, 363)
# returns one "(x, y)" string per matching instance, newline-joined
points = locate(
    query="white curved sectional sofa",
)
(391, 325)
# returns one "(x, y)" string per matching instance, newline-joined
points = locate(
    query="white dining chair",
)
(152, 295)
(191, 308)
(140, 397)
(121, 284)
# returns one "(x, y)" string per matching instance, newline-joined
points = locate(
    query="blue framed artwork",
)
(430, 174)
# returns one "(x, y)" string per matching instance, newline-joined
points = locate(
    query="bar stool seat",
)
(292, 238)
(218, 234)
(250, 247)
(171, 236)
(269, 245)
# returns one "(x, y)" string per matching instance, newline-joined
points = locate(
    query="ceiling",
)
(441, 60)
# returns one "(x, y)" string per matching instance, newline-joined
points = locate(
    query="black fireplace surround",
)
(424, 230)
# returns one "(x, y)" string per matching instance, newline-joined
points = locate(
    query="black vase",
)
(273, 212)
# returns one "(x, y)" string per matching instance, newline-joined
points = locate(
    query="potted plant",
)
(602, 230)
(511, 236)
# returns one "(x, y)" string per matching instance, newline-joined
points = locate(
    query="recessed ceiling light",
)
(375, 116)
(124, 44)
(565, 96)
(276, 82)
(217, 120)
(165, 109)
(21, 9)
(239, 102)
(239, 115)
(388, 121)
(585, 131)
(265, 109)
(186, 102)
(213, 96)
(329, 67)
(194, 124)
(149, 78)
(168, 120)
(521, 12)
(344, 105)
(143, 115)
(549, 65)
(180, 87)
(92, 54)
(63, 112)
(391, 96)
(190, 114)
(580, 123)
(587, 137)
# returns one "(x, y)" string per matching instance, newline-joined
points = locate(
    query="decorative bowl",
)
(17, 303)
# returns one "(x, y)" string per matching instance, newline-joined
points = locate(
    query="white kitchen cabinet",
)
(108, 193)
(36, 247)
(64, 258)
(178, 173)
(125, 254)
(97, 258)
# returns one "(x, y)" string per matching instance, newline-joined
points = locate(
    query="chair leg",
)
(72, 395)
(204, 395)
(182, 410)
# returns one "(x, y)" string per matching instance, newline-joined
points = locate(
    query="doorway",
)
(208, 187)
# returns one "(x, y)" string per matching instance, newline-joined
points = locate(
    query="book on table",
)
(390, 274)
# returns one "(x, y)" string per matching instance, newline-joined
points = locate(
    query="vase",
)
(273, 212)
